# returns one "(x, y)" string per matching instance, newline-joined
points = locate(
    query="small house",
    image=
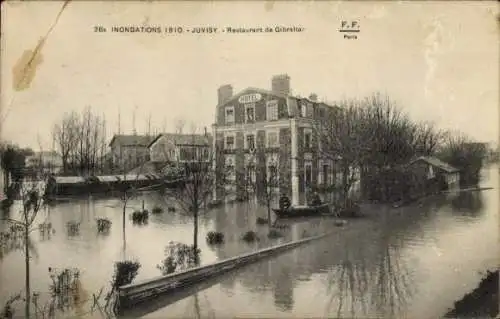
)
(445, 176)
(180, 148)
(66, 186)
(129, 151)
(104, 183)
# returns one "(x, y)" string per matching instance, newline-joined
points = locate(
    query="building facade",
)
(435, 169)
(44, 163)
(180, 148)
(260, 131)
(129, 151)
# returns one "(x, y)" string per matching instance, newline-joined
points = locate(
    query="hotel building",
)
(260, 130)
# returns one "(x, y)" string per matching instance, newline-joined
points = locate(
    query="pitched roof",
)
(69, 179)
(132, 140)
(436, 162)
(185, 139)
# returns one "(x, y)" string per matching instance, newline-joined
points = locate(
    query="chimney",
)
(224, 93)
(280, 84)
(313, 97)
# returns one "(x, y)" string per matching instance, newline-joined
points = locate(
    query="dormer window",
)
(272, 110)
(303, 109)
(321, 112)
(229, 114)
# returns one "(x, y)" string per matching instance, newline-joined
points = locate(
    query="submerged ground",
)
(394, 263)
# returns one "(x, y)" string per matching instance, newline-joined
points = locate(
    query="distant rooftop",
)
(185, 139)
(132, 140)
(436, 162)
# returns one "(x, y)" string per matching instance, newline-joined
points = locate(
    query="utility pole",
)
(164, 127)
(133, 120)
(149, 125)
(135, 138)
(119, 122)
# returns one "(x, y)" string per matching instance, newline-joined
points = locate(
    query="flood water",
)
(410, 262)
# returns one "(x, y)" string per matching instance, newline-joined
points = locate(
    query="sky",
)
(438, 62)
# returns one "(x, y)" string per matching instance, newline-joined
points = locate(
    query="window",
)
(250, 113)
(309, 110)
(230, 142)
(250, 174)
(326, 179)
(229, 114)
(272, 139)
(187, 153)
(303, 109)
(307, 140)
(272, 177)
(321, 113)
(206, 154)
(308, 175)
(430, 173)
(250, 142)
(272, 110)
(230, 173)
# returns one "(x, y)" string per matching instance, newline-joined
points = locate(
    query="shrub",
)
(171, 209)
(250, 236)
(273, 233)
(261, 221)
(214, 238)
(63, 282)
(103, 225)
(8, 310)
(179, 256)
(73, 228)
(282, 226)
(157, 210)
(140, 217)
(125, 272)
(482, 302)
(340, 222)
(45, 227)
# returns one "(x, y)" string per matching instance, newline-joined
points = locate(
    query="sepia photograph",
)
(249, 159)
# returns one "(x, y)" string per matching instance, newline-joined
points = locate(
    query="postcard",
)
(249, 159)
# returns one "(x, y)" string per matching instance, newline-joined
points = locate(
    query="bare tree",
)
(80, 139)
(267, 179)
(126, 189)
(427, 138)
(373, 135)
(465, 154)
(342, 136)
(65, 135)
(179, 125)
(31, 200)
(195, 169)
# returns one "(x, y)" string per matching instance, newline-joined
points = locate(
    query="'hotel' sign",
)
(250, 98)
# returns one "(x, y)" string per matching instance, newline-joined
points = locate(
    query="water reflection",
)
(468, 203)
(94, 252)
(283, 290)
(391, 265)
(369, 268)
